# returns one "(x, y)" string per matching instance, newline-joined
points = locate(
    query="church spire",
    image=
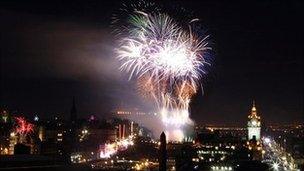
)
(73, 111)
(253, 109)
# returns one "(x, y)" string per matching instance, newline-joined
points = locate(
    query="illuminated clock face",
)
(254, 123)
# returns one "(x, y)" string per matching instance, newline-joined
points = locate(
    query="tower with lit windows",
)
(254, 124)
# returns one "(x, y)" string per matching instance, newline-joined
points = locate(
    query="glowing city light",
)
(267, 140)
(109, 149)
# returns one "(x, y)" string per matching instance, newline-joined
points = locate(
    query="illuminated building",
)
(133, 111)
(254, 124)
(254, 134)
(121, 131)
(126, 128)
(4, 116)
(214, 154)
(13, 141)
(5, 126)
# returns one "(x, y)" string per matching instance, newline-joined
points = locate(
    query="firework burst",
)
(23, 127)
(166, 56)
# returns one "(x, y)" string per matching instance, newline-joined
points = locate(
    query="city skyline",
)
(49, 47)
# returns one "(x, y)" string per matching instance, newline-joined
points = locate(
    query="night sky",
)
(53, 50)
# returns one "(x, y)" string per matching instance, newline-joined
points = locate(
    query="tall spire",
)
(253, 109)
(73, 111)
(253, 113)
(162, 156)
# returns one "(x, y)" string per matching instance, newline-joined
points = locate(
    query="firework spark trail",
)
(167, 59)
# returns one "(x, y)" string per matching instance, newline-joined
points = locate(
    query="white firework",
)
(168, 59)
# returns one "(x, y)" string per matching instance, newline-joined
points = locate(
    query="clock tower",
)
(254, 124)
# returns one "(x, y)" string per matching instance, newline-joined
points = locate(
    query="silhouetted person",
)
(22, 149)
(162, 153)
